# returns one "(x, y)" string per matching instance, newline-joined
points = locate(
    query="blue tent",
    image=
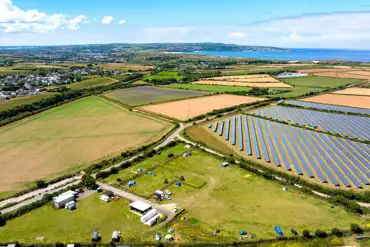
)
(150, 173)
(139, 170)
(278, 231)
(243, 233)
(178, 184)
(131, 183)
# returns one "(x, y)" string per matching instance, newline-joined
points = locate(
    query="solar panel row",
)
(316, 155)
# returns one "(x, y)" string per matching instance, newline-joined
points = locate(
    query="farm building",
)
(140, 207)
(61, 200)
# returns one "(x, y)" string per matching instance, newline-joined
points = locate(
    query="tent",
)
(150, 173)
(243, 233)
(278, 231)
(178, 184)
(171, 230)
(131, 183)
(168, 237)
(140, 170)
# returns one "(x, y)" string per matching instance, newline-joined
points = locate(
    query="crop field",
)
(262, 81)
(343, 100)
(147, 95)
(7, 104)
(125, 66)
(349, 75)
(185, 109)
(165, 75)
(231, 199)
(319, 81)
(345, 125)
(208, 88)
(354, 91)
(69, 137)
(49, 225)
(328, 107)
(98, 81)
(315, 156)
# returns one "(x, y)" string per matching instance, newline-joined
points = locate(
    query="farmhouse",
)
(61, 200)
(140, 207)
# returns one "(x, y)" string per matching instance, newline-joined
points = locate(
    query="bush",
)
(356, 228)
(231, 160)
(2, 220)
(336, 232)
(320, 234)
(114, 170)
(182, 178)
(41, 184)
(306, 234)
(170, 155)
(88, 181)
(165, 181)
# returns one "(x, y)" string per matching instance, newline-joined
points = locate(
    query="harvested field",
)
(185, 109)
(343, 75)
(344, 100)
(146, 95)
(311, 71)
(243, 78)
(244, 84)
(354, 91)
(69, 137)
(7, 104)
(360, 72)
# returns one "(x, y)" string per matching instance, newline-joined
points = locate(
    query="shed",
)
(116, 236)
(108, 193)
(140, 207)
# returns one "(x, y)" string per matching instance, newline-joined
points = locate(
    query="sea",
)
(296, 54)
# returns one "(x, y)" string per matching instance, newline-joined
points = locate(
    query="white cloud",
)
(107, 20)
(14, 19)
(122, 21)
(330, 30)
(236, 35)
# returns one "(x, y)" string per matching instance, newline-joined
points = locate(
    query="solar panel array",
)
(345, 125)
(328, 107)
(327, 158)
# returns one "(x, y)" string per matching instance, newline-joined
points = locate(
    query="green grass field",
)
(147, 95)
(70, 137)
(165, 75)
(320, 81)
(208, 88)
(91, 83)
(7, 104)
(50, 225)
(297, 91)
(233, 199)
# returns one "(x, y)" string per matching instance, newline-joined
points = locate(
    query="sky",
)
(279, 23)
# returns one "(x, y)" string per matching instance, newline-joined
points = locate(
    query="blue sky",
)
(283, 23)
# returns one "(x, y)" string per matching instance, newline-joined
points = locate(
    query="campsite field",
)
(7, 104)
(147, 95)
(98, 81)
(185, 109)
(208, 88)
(50, 225)
(319, 81)
(69, 137)
(231, 199)
(354, 91)
(344, 100)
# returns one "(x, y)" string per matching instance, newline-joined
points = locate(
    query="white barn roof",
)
(142, 206)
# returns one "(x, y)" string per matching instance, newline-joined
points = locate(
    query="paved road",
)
(38, 192)
(36, 198)
(161, 208)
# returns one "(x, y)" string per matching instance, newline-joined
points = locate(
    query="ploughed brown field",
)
(185, 109)
(344, 100)
(354, 91)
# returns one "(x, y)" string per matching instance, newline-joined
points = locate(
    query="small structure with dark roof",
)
(108, 193)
